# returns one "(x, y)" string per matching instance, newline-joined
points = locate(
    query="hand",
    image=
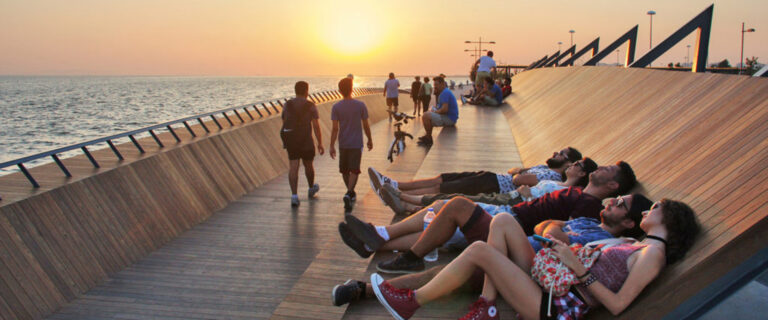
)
(320, 149)
(525, 192)
(370, 145)
(566, 256)
(513, 171)
(332, 151)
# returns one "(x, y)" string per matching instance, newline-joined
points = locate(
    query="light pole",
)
(741, 60)
(559, 43)
(474, 54)
(688, 55)
(617, 57)
(479, 43)
(571, 32)
(650, 38)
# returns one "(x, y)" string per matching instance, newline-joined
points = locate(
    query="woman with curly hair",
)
(614, 281)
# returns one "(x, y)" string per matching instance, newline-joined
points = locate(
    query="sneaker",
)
(426, 141)
(463, 100)
(294, 200)
(353, 242)
(352, 196)
(348, 292)
(347, 203)
(482, 310)
(313, 191)
(375, 179)
(392, 199)
(400, 264)
(365, 232)
(401, 303)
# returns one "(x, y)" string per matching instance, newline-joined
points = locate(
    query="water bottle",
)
(432, 256)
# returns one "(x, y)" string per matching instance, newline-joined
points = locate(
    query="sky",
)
(336, 37)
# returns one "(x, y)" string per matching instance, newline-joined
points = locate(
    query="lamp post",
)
(617, 57)
(559, 44)
(571, 32)
(741, 60)
(479, 43)
(474, 54)
(688, 55)
(650, 38)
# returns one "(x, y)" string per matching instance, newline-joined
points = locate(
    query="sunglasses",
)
(621, 204)
(579, 164)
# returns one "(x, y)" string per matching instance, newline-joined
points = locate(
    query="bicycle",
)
(398, 143)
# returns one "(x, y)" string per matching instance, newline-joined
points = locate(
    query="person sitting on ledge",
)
(482, 181)
(444, 114)
(506, 90)
(614, 281)
(621, 217)
(473, 221)
(577, 175)
(490, 95)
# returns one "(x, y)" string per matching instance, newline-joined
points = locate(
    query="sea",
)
(42, 113)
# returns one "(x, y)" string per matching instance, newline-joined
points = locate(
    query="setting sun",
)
(352, 29)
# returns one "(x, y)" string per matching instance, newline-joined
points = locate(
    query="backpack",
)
(297, 114)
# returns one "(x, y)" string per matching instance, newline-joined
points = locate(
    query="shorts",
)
(469, 182)
(478, 226)
(480, 76)
(488, 101)
(499, 199)
(569, 306)
(392, 102)
(349, 160)
(441, 120)
(305, 154)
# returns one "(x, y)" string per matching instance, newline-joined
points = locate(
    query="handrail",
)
(276, 105)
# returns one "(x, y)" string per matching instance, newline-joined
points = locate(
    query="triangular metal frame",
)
(555, 62)
(534, 64)
(594, 46)
(550, 60)
(702, 23)
(630, 36)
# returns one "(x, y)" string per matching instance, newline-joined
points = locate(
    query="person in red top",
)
(506, 90)
(474, 222)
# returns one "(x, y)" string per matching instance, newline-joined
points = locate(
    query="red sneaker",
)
(481, 310)
(401, 303)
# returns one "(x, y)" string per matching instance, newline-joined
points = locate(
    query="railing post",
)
(228, 120)
(173, 133)
(114, 149)
(159, 143)
(136, 143)
(61, 165)
(203, 124)
(238, 116)
(29, 176)
(189, 129)
(90, 157)
(266, 108)
(217, 122)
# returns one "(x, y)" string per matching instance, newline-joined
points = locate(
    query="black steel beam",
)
(594, 46)
(630, 36)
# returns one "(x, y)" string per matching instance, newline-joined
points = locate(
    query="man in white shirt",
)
(391, 93)
(485, 67)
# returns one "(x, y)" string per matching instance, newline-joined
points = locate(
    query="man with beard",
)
(621, 217)
(472, 183)
(474, 222)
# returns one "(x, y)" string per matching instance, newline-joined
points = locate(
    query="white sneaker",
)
(294, 200)
(313, 190)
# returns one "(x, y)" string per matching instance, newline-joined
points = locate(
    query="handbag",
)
(554, 276)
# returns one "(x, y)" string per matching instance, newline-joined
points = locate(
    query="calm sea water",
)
(38, 114)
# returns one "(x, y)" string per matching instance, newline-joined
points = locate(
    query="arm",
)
(443, 108)
(514, 171)
(319, 136)
(367, 130)
(334, 135)
(554, 230)
(648, 265)
(525, 179)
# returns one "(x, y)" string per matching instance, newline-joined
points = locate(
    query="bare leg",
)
(345, 176)
(455, 213)
(419, 184)
(293, 175)
(409, 281)
(421, 191)
(517, 288)
(352, 181)
(509, 239)
(412, 208)
(414, 223)
(309, 171)
(426, 119)
(401, 243)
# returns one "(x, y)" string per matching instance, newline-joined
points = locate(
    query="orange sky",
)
(292, 37)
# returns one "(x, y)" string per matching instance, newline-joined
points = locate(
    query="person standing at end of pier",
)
(350, 117)
(444, 114)
(425, 93)
(391, 93)
(415, 87)
(299, 119)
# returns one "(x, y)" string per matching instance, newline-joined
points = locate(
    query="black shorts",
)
(425, 102)
(349, 160)
(469, 182)
(392, 102)
(306, 154)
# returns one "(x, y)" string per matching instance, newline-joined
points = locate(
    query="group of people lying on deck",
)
(494, 216)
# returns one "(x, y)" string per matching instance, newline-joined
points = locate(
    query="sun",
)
(352, 30)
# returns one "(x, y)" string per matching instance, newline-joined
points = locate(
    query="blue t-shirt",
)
(350, 113)
(580, 230)
(391, 86)
(496, 91)
(453, 107)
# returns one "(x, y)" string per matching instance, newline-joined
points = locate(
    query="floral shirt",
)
(542, 173)
(580, 230)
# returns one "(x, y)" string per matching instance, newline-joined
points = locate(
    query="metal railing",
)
(242, 114)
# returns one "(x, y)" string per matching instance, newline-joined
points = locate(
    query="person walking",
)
(299, 120)
(350, 117)
(391, 93)
(415, 87)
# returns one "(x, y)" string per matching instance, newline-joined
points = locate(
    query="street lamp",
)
(571, 32)
(479, 43)
(741, 61)
(688, 55)
(559, 43)
(650, 38)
